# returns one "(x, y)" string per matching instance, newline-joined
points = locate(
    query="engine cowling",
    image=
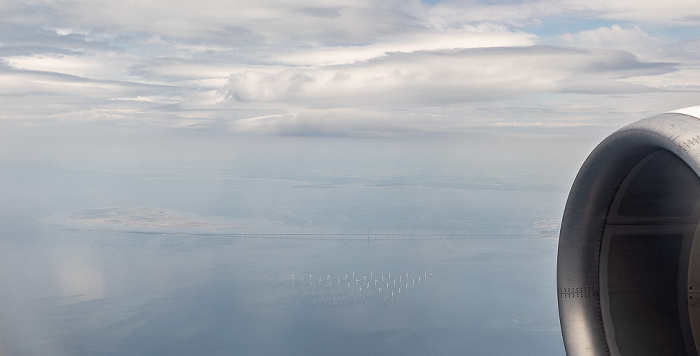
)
(628, 266)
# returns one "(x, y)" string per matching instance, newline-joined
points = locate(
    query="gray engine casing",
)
(628, 267)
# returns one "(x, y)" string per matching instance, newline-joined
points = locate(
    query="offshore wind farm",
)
(331, 294)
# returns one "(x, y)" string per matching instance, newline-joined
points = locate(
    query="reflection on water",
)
(81, 280)
(76, 292)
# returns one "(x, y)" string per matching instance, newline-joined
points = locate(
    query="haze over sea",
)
(211, 258)
(303, 178)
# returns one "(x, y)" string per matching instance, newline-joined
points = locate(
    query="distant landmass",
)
(138, 217)
(547, 228)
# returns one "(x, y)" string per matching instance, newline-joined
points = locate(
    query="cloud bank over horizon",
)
(358, 68)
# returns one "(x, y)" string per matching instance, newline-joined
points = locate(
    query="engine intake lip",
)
(627, 259)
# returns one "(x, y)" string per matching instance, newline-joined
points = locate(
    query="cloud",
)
(541, 124)
(520, 13)
(471, 37)
(275, 20)
(615, 36)
(677, 12)
(455, 14)
(48, 95)
(336, 123)
(342, 68)
(442, 77)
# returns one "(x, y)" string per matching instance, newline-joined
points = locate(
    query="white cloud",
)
(104, 66)
(541, 124)
(439, 77)
(289, 67)
(633, 38)
(276, 21)
(426, 41)
(337, 122)
(675, 12)
(686, 79)
(518, 13)
(455, 14)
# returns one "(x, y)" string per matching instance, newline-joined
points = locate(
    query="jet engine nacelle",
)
(628, 268)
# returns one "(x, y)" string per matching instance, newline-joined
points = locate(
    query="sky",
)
(309, 116)
(508, 95)
(343, 68)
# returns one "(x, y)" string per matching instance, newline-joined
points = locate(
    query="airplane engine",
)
(628, 266)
